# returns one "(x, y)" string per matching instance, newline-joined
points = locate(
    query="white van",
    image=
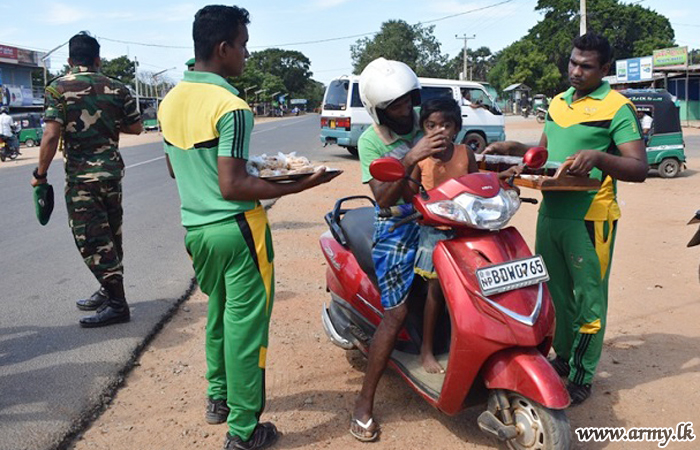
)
(344, 118)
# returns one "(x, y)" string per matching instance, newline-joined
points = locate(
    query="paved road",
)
(53, 374)
(692, 146)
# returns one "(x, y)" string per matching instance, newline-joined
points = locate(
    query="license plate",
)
(512, 275)
(332, 123)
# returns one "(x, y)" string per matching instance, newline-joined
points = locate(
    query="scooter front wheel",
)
(538, 427)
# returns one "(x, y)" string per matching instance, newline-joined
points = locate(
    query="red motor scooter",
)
(499, 323)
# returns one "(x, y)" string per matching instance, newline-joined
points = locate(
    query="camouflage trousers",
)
(95, 218)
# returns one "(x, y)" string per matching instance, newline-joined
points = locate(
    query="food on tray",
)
(272, 166)
(298, 162)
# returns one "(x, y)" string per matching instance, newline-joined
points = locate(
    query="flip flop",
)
(360, 430)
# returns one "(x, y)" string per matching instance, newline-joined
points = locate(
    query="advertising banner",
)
(15, 95)
(27, 57)
(634, 69)
(646, 68)
(27, 96)
(621, 70)
(7, 52)
(677, 56)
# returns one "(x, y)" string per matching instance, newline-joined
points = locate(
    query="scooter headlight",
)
(483, 213)
(449, 210)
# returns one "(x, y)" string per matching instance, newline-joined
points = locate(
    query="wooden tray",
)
(559, 182)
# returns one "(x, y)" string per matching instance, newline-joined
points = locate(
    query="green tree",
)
(632, 30)
(291, 66)
(414, 45)
(272, 83)
(250, 81)
(479, 61)
(523, 62)
(121, 68)
(313, 92)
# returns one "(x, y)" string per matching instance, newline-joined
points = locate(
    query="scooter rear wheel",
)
(539, 428)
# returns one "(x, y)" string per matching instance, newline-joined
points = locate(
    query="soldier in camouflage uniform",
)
(88, 110)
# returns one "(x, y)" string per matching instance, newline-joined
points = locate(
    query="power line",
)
(467, 12)
(142, 44)
(686, 24)
(319, 41)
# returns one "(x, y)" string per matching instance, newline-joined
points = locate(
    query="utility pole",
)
(136, 84)
(466, 38)
(582, 24)
(45, 57)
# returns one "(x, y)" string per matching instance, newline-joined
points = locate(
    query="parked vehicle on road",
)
(664, 143)
(29, 128)
(344, 118)
(499, 319)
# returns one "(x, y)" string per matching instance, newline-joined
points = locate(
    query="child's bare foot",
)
(430, 364)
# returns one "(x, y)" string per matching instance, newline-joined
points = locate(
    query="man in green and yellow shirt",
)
(597, 130)
(207, 128)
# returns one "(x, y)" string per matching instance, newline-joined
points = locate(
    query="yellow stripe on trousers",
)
(602, 245)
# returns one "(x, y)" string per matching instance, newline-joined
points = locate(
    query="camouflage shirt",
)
(91, 109)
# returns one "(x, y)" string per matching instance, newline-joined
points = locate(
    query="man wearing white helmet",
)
(389, 90)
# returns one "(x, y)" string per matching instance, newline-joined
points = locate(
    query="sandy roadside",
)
(649, 374)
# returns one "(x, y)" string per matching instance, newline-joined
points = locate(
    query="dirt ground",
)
(649, 375)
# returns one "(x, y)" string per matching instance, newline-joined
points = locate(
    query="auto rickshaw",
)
(30, 131)
(664, 142)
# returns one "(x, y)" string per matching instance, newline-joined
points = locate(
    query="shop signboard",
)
(676, 56)
(634, 69)
(7, 52)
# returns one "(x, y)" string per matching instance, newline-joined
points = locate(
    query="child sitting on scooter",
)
(439, 115)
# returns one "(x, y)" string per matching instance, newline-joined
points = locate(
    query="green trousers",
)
(233, 264)
(578, 255)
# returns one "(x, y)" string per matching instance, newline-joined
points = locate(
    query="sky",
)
(158, 33)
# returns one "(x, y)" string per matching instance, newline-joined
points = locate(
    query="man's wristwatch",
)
(37, 175)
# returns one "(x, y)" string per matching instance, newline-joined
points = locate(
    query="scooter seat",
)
(358, 227)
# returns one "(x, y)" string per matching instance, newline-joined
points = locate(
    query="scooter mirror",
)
(387, 169)
(535, 157)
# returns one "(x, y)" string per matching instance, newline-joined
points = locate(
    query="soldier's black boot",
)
(114, 310)
(95, 301)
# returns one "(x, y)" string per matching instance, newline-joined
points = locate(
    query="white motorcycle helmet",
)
(383, 81)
